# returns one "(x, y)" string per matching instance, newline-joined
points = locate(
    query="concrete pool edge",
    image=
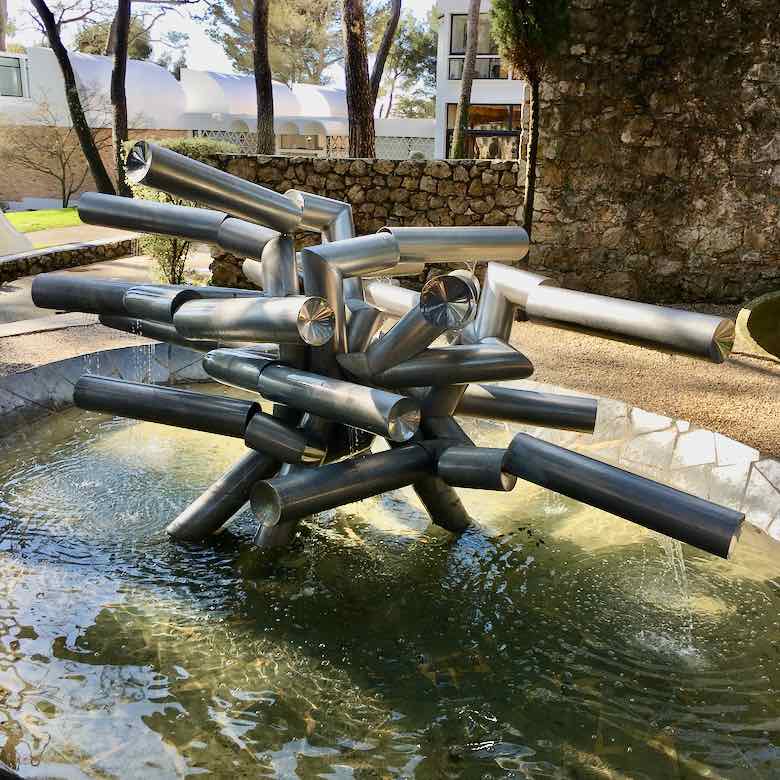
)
(701, 462)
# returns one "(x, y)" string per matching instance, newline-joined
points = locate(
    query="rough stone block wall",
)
(660, 151)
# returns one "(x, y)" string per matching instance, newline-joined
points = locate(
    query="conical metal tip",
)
(316, 322)
(723, 341)
(403, 420)
(138, 161)
(448, 301)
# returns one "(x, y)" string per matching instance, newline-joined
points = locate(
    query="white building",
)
(496, 98)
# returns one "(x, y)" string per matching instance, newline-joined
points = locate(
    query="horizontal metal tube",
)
(447, 244)
(475, 467)
(157, 302)
(412, 268)
(149, 216)
(291, 320)
(215, 506)
(306, 492)
(529, 407)
(74, 292)
(244, 239)
(390, 298)
(659, 327)
(489, 361)
(159, 331)
(165, 170)
(355, 256)
(655, 506)
(332, 218)
(282, 442)
(165, 405)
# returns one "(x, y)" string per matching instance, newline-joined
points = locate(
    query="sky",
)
(202, 52)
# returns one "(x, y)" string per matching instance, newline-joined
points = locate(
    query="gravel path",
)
(740, 398)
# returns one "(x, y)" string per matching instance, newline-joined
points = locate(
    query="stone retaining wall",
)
(57, 258)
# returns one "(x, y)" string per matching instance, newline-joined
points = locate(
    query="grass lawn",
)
(30, 221)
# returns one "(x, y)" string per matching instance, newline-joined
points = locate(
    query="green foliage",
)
(43, 219)
(91, 39)
(170, 254)
(528, 32)
(411, 107)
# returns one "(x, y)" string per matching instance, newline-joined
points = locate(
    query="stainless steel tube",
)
(529, 407)
(443, 504)
(147, 216)
(448, 244)
(655, 506)
(157, 302)
(178, 175)
(281, 441)
(253, 270)
(503, 290)
(659, 327)
(279, 271)
(213, 508)
(74, 292)
(332, 218)
(450, 300)
(308, 491)
(377, 411)
(414, 268)
(363, 323)
(489, 361)
(244, 239)
(291, 320)
(475, 467)
(390, 298)
(165, 405)
(159, 331)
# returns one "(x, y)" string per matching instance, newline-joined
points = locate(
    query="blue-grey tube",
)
(166, 405)
(74, 292)
(217, 505)
(159, 331)
(529, 407)
(660, 508)
(283, 442)
(475, 467)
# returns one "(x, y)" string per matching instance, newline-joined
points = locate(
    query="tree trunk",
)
(3, 24)
(266, 138)
(119, 95)
(458, 150)
(360, 101)
(533, 148)
(384, 47)
(110, 46)
(80, 125)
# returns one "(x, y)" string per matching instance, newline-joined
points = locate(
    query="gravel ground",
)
(740, 398)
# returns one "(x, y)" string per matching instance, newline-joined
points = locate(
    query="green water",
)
(557, 642)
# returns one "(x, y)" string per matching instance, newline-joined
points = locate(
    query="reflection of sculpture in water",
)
(308, 344)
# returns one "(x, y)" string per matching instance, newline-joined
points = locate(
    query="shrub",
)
(168, 253)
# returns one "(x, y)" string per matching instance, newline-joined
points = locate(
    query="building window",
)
(493, 133)
(487, 66)
(313, 143)
(11, 84)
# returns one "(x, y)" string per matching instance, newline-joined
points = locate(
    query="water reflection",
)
(557, 642)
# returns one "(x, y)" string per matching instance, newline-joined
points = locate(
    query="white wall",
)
(448, 91)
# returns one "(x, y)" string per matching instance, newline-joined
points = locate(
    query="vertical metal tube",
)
(363, 324)
(212, 509)
(280, 275)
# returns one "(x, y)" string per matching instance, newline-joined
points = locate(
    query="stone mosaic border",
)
(57, 258)
(675, 452)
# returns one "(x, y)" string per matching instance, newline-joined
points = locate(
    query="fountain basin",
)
(758, 328)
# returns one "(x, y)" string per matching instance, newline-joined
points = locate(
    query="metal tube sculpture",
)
(336, 385)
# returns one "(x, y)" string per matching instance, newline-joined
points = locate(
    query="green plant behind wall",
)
(170, 254)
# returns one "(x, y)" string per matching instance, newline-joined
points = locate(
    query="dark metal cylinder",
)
(281, 441)
(475, 467)
(184, 177)
(443, 504)
(74, 292)
(157, 302)
(655, 506)
(159, 331)
(306, 492)
(165, 405)
(529, 407)
(215, 506)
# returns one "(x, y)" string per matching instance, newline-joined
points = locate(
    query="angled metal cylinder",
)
(489, 361)
(157, 302)
(660, 508)
(332, 218)
(412, 268)
(363, 323)
(443, 504)
(160, 331)
(253, 270)
(281, 441)
(658, 327)
(450, 300)
(279, 270)
(186, 178)
(448, 244)
(504, 289)
(292, 320)
(217, 505)
(306, 492)
(74, 292)
(165, 405)
(244, 239)
(377, 411)
(529, 407)
(390, 298)
(481, 468)
(148, 216)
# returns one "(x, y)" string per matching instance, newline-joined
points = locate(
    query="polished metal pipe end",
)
(449, 301)
(722, 341)
(403, 420)
(316, 321)
(236, 367)
(266, 503)
(138, 162)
